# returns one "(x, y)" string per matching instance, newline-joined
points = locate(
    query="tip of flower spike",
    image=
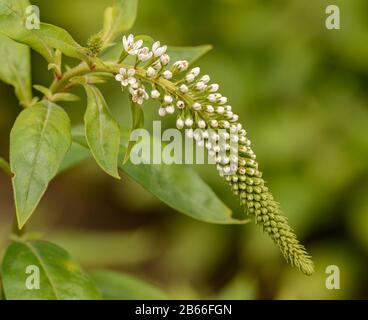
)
(308, 269)
(306, 266)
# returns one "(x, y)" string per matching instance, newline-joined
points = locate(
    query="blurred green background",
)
(301, 92)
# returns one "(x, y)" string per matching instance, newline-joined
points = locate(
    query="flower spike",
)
(202, 111)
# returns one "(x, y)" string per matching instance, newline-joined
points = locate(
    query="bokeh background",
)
(301, 92)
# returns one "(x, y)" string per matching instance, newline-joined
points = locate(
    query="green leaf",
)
(102, 132)
(59, 277)
(182, 189)
(44, 40)
(191, 54)
(120, 286)
(137, 122)
(64, 96)
(15, 68)
(39, 141)
(178, 186)
(118, 18)
(45, 91)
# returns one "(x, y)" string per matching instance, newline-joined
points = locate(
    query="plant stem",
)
(5, 166)
(59, 85)
(16, 231)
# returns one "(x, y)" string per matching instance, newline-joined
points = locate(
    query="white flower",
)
(170, 109)
(226, 124)
(242, 140)
(190, 77)
(181, 65)
(189, 133)
(233, 129)
(180, 104)
(134, 85)
(195, 71)
(167, 74)
(200, 86)
(150, 72)
(210, 109)
(214, 123)
(213, 88)
(158, 50)
(215, 136)
(165, 59)
(155, 94)
(180, 123)
(197, 135)
(205, 79)
(183, 88)
(211, 98)
(225, 160)
(168, 99)
(188, 122)
(138, 95)
(205, 134)
(130, 46)
(201, 124)
(144, 54)
(234, 138)
(157, 65)
(229, 114)
(222, 100)
(162, 112)
(197, 106)
(224, 135)
(126, 77)
(220, 110)
(235, 117)
(208, 145)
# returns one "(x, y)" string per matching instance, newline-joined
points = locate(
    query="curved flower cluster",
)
(209, 119)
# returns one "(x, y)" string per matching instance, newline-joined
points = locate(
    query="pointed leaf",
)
(102, 132)
(59, 277)
(182, 189)
(118, 18)
(178, 186)
(13, 17)
(45, 91)
(191, 54)
(64, 96)
(39, 141)
(15, 68)
(120, 286)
